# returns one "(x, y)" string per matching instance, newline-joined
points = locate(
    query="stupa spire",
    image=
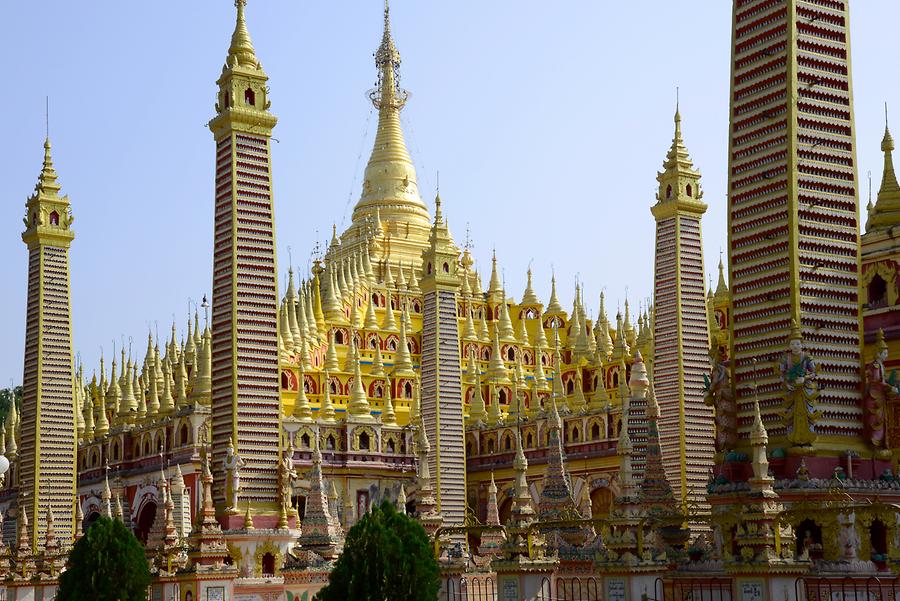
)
(390, 189)
(886, 212)
(241, 52)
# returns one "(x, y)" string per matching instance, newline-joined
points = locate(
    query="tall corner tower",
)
(47, 448)
(793, 231)
(442, 398)
(246, 405)
(681, 328)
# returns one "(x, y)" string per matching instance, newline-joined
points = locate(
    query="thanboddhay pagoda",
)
(736, 442)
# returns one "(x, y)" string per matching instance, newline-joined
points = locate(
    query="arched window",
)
(689, 190)
(570, 386)
(338, 337)
(502, 396)
(511, 354)
(329, 443)
(115, 451)
(408, 390)
(304, 440)
(268, 565)
(226, 99)
(878, 537)
(391, 447)
(364, 441)
(446, 267)
(576, 435)
(183, 435)
(54, 218)
(669, 191)
(507, 442)
(877, 292)
(529, 440)
(595, 431)
(490, 445)
(249, 97)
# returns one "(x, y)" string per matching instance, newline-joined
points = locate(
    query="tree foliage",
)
(387, 557)
(7, 396)
(106, 564)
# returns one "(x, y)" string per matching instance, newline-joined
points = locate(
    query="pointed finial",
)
(887, 143)
(241, 52)
(677, 105)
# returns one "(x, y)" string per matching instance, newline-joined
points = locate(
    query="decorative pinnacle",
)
(241, 50)
(887, 143)
(677, 114)
(387, 59)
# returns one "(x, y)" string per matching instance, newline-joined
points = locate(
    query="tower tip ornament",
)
(887, 143)
(241, 52)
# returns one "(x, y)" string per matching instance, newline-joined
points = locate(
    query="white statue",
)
(848, 539)
(233, 465)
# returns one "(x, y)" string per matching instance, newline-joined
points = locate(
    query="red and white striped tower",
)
(246, 406)
(681, 329)
(793, 231)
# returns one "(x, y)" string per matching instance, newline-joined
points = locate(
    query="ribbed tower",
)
(681, 330)
(390, 210)
(442, 398)
(47, 443)
(793, 209)
(245, 379)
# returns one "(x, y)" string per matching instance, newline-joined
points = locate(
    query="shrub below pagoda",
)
(387, 557)
(106, 564)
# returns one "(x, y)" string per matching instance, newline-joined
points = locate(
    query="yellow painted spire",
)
(477, 409)
(679, 183)
(371, 320)
(507, 332)
(721, 294)
(331, 358)
(241, 52)
(469, 333)
(522, 332)
(388, 416)
(554, 307)
(403, 365)
(389, 324)
(484, 334)
(326, 413)
(302, 410)
(358, 405)
(377, 368)
(529, 297)
(496, 368)
(540, 338)
(495, 288)
(390, 190)
(886, 212)
(493, 411)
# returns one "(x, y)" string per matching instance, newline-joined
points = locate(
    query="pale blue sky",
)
(547, 121)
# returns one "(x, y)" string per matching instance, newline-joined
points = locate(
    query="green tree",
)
(387, 557)
(106, 564)
(7, 396)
